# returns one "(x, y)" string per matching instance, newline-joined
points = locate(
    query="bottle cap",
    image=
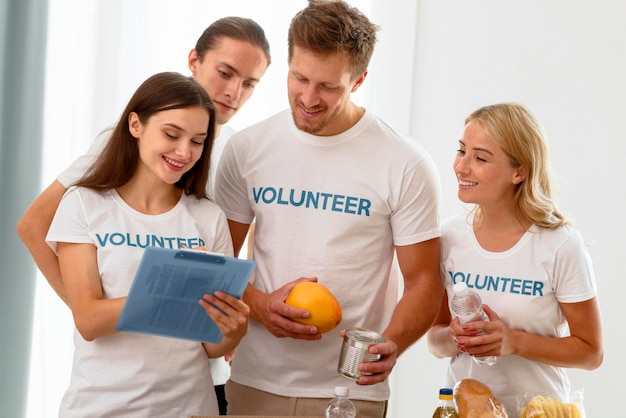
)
(445, 394)
(342, 391)
(461, 289)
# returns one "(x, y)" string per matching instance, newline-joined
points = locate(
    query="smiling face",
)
(170, 142)
(484, 173)
(319, 90)
(229, 72)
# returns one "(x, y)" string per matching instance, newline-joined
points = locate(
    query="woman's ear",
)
(134, 125)
(520, 175)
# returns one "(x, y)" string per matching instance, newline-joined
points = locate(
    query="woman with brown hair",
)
(148, 186)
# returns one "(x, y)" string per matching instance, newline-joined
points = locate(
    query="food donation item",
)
(547, 407)
(319, 301)
(474, 399)
(355, 350)
(445, 406)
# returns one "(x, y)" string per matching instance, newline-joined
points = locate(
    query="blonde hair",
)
(519, 134)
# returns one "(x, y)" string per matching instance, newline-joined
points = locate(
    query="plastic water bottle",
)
(341, 406)
(468, 307)
(445, 407)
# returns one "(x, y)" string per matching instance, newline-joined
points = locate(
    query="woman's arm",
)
(93, 316)
(440, 337)
(583, 348)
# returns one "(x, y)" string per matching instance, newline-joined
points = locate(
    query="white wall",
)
(567, 61)
(437, 60)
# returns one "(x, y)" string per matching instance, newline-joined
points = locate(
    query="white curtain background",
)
(436, 61)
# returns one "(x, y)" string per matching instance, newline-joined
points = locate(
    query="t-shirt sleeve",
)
(77, 169)
(574, 275)
(230, 187)
(416, 217)
(223, 241)
(69, 223)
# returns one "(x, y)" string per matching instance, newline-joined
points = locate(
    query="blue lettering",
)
(280, 200)
(312, 199)
(143, 241)
(101, 241)
(117, 239)
(143, 245)
(480, 285)
(128, 240)
(538, 288)
(526, 287)
(158, 241)
(493, 283)
(468, 281)
(350, 204)
(292, 200)
(515, 286)
(272, 194)
(498, 284)
(338, 203)
(455, 275)
(364, 206)
(256, 194)
(326, 196)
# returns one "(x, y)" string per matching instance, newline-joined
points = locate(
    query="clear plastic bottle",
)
(445, 407)
(466, 304)
(341, 406)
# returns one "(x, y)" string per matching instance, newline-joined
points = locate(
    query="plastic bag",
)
(543, 405)
(474, 399)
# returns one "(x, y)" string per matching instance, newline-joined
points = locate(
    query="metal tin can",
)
(354, 351)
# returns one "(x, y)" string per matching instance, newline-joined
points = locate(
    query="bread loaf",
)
(475, 400)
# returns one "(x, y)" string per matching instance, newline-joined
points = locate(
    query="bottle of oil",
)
(445, 407)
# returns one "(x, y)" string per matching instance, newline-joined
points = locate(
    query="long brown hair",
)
(163, 91)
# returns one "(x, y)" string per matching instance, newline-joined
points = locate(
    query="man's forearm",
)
(46, 260)
(33, 228)
(413, 316)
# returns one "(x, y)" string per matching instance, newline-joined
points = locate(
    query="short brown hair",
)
(326, 27)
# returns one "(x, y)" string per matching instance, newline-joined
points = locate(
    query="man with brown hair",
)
(335, 192)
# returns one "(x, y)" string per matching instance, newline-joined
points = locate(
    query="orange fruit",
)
(319, 301)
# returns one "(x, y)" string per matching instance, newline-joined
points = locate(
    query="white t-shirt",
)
(128, 374)
(326, 207)
(524, 286)
(220, 369)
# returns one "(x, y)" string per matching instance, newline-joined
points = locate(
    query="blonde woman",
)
(529, 265)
